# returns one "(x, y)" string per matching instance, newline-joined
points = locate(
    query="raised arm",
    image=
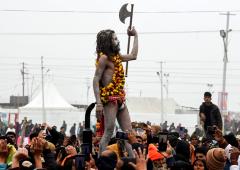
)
(134, 52)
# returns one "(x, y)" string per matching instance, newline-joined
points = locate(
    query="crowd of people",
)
(49, 148)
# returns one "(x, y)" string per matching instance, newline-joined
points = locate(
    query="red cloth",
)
(100, 129)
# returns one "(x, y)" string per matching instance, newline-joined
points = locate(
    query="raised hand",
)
(131, 32)
(22, 153)
(99, 112)
(71, 150)
(90, 164)
(38, 145)
(3, 150)
(218, 135)
(141, 160)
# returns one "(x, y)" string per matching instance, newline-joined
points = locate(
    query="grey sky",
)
(192, 59)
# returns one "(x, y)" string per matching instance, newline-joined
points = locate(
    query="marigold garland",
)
(116, 87)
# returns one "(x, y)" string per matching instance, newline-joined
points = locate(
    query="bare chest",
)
(108, 73)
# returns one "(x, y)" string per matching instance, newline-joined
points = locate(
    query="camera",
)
(121, 135)
(162, 143)
(161, 139)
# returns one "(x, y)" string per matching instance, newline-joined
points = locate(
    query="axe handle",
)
(129, 38)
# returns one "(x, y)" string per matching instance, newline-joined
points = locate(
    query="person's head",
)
(11, 136)
(107, 160)
(194, 140)
(107, 43)
(216, 159)
(199, 164)
(155, 129)
(207, 97)
(183, 149)
(156, 157)
(139, 139)
(42, 133)
(231, 139)
(33, 135)
(201, 152)
(62, 129)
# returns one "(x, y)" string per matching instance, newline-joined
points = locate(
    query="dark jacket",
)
(213, 115)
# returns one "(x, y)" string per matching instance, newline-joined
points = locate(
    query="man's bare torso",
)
(107, 73)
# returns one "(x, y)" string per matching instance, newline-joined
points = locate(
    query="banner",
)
(222, 102)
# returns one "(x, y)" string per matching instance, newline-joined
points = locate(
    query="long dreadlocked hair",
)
(104, 43)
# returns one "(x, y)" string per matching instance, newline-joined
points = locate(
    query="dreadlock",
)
(104, 43)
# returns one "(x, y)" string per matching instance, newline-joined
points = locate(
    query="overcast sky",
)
(183, 34)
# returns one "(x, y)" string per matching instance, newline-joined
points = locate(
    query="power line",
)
(140, 60)
(112, 12)
(119, 33)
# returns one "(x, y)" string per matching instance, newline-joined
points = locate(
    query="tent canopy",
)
(52, 100)
(56, 107)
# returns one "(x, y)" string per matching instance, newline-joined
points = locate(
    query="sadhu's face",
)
(115, 43)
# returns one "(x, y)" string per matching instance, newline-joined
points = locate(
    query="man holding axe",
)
(109, 80)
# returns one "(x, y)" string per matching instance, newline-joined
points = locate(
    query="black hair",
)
(33, 135)
(231, 139)
(203, 161)
(207, 94)
(107, 162)
(104, 43)
(202, 150)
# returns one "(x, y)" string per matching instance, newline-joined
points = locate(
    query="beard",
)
(116, 48)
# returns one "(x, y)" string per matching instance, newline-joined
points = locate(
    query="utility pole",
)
(224, 35)
(23, 78)
(43, 102)
(166, 75)
(160, 75)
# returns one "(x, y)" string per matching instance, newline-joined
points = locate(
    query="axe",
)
(123, 14)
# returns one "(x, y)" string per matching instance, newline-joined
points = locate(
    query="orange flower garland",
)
(116, 87)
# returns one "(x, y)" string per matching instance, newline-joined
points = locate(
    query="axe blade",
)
(124, 13)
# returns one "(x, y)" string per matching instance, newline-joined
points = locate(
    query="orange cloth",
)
(153, 153)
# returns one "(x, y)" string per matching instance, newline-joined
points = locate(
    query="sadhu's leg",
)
(124, 121)
(110, 112)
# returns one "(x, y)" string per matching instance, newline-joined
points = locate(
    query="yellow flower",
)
(116, 86)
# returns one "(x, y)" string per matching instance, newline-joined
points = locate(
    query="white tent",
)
(56, 107)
